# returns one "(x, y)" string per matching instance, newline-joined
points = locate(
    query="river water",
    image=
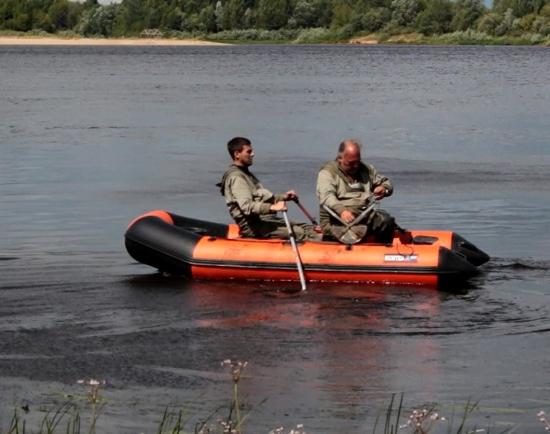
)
(90, 137)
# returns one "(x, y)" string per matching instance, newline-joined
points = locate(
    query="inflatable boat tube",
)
(204, 250)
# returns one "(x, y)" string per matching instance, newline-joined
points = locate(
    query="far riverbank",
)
(457, 38)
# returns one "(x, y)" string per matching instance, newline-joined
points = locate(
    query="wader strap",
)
(334, 169)
(230, 171)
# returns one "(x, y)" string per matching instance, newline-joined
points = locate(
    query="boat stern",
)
(473, 254)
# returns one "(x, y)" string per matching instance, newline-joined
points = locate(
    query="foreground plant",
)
(422, 421)
(419, 421)
(542, 417)
(66, 418)
(94, 399)
(95, 386)
(51, 421)
(171, 423)
(298, 430)
(233, 425)
(233, 422)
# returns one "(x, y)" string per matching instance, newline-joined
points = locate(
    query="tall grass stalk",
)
(468, 409)
(390, 428)
(236, 369)
(14, 424)
(49, 424)
(167, 419)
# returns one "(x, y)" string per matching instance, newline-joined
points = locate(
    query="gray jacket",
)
(338, 192)
(247, 199)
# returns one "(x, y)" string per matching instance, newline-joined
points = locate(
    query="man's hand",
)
(379, 192)
(347, 216)
(291, 195)
(279, 206)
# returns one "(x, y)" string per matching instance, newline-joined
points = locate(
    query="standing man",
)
(252, 206)
(346, 187)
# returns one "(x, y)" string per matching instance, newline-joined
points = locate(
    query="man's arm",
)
(326, 191)
(242, 194)
(379, 180)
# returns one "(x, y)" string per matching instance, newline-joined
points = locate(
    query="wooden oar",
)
(296, 252)
(305, 211)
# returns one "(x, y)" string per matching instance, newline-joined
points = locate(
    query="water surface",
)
(92, 136)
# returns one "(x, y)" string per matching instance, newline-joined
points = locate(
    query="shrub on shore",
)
(470, 37)
(253, 35)
(314, 36)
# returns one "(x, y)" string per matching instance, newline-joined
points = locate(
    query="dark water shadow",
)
(517, 264)
(516, 269)
(157, 281)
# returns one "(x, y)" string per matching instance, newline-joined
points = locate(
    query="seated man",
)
(252, 206)
(346, 186)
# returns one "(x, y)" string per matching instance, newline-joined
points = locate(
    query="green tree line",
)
(343, 18)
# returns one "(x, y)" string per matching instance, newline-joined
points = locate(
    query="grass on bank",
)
(79, 414)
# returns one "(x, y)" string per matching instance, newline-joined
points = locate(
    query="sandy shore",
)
(366, 40)
(14, 40)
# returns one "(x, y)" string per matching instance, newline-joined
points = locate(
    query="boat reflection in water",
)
(343, 347)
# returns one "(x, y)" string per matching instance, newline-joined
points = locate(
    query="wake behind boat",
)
(205, 250)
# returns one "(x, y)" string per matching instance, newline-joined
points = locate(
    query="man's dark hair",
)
(237, 144)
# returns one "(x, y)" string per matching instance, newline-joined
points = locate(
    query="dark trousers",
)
(272, 226)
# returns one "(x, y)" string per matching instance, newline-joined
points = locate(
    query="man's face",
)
(245, 156)
(350, 161)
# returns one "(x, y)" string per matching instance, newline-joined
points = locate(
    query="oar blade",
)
(349, 235)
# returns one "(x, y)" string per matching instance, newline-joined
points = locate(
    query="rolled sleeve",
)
(379, 179)
(327, 191)
(243, 196)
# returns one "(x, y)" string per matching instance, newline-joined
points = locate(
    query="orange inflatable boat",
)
(206, 250)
